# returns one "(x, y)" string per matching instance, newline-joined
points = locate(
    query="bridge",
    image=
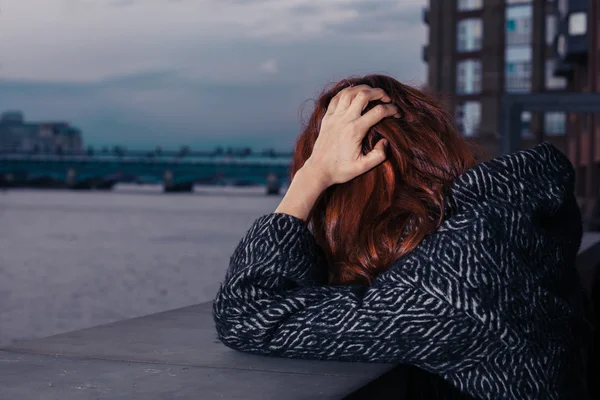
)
(177, 172)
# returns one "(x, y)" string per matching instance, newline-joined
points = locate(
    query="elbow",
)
(229, 326)
(236, 325)
(231, 332)
(237, 332)
(227, 334)
(224, 323)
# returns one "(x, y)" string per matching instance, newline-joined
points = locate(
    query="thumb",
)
(375, 156)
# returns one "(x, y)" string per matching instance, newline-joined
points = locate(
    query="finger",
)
(333, 104)
(375, 156)
(347, 94)
(374, 115)
(362, 99)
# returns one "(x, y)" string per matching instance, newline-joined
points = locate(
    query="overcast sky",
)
(142, 73)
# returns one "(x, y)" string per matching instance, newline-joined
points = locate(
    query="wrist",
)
(314, 176)
(304, 190)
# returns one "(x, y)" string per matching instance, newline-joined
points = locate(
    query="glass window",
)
(555, 123)
(561, 45)
(468, 77)
(553, 82)
(511, 25)
(550, 29)
(578, 23)
(517, 70)
(526, 125)
(518, 24)
(518, 77)
(468, 118)
(563, 7)
(466, 5)
(469, 35)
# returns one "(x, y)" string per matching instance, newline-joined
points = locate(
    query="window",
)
(468, 118)
(578, 23)
(466, 5)
(526, 125)
(563, 7)
(550, 29)
(561, 46)
(469, 35)
(517, 71)
(555, 123)
(518, 24)
(553, 82)
(518, 77)
(468, 77)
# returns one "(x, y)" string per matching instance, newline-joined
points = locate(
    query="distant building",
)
(16, 135)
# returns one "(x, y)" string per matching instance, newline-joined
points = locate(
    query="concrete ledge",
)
(176, 355)
(173, 354)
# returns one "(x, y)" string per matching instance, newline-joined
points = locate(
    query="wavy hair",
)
(367, 223)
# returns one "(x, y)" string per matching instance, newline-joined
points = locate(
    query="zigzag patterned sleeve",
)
(271, 304)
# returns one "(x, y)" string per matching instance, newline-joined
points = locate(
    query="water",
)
(70, 260)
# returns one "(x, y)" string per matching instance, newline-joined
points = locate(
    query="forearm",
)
(304, 190)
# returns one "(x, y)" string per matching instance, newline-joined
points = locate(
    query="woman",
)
(390, 245)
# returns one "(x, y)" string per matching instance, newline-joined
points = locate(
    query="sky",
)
(202, 73)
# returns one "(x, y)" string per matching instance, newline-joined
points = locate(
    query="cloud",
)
(270, 66)
(164, 108)
(196, 71)
(93, 39)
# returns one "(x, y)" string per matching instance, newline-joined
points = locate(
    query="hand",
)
(337, 156)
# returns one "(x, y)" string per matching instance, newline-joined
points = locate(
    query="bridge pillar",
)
(168, 178)
(71, 178)
(169, 184)
(7, 180)
(273, 186)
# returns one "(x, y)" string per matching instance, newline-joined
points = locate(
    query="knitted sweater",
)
(490, 303)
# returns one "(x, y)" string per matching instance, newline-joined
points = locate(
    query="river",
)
(70, 260)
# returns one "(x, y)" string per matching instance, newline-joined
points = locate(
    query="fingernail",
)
(385, 143)
(397, 115)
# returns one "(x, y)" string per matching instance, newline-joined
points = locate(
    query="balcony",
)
(578, 5)
(426, 15)
(571, 44)
(564, 7)
(562, 69)
(425, 53)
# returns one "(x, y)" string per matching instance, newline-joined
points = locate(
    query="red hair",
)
(366, 224)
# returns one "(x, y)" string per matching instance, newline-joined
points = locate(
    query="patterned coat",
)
(489, 304)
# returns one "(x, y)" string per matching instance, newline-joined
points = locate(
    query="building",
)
(577, 50)
(19, 136)
(479, 50)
